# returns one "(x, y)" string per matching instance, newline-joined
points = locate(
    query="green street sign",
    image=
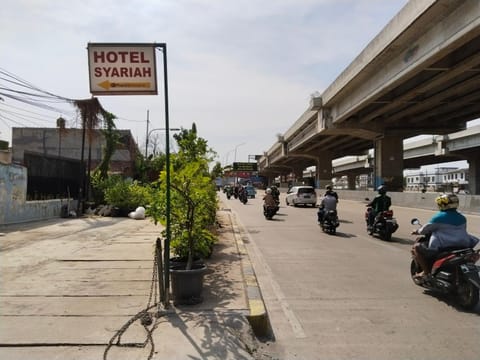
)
(245, 166)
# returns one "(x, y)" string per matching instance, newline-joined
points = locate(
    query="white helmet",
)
(268, 191)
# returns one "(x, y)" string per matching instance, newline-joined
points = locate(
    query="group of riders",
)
(448, 227)
(239, 191)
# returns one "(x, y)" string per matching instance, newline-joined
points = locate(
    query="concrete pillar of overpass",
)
(351, 181)
(389, 162)
(323, 173)
(474, 175)
(271, 180)
(298, 173)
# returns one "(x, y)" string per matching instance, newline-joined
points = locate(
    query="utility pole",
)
(146, 140)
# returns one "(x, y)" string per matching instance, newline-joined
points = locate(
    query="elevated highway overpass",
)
(432, 150)
(418, 76)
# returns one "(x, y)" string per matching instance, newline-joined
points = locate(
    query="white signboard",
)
(122, 69)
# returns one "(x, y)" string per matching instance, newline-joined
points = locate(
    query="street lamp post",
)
(235, 159)
(150, 132)
(225, 163)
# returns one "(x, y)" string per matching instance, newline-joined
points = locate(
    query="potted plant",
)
(193, 206)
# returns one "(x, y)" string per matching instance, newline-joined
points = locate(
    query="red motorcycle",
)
(453, 273)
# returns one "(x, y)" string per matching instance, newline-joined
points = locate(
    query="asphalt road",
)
(350, 296)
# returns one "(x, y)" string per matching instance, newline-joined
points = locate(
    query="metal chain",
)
(144, 316)
(153, 287)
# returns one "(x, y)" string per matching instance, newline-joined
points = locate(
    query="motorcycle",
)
(384, 224)
(243, 197)
(269, 212)
(453, 273)
(330, 222)
(229, 193)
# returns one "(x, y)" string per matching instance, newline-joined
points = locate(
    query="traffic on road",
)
(350, 295)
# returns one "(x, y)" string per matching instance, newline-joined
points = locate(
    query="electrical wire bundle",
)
(23, 104)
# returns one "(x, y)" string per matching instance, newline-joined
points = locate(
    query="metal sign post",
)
(130, 69)
(166, 251)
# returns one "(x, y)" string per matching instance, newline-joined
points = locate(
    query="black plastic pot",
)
(180, 261)
(187, 285)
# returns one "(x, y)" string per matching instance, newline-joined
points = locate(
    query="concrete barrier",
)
(468, 203)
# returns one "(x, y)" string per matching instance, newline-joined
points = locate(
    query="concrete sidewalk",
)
(69, 285)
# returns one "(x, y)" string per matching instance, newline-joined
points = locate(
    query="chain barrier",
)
(145, 317)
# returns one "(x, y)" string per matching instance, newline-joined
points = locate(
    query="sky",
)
(243, 71)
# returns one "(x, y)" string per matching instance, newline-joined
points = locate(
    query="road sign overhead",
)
(122, 69)
(244, 166)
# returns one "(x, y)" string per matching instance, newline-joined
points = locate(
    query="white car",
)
(305, 195)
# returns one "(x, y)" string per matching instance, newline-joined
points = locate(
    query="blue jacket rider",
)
(448, 231)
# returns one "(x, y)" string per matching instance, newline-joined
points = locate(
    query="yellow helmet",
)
(447, 201)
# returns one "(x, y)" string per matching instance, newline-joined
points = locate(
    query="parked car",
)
(251, 192)
(304, 195)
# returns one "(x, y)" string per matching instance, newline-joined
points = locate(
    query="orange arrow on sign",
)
(107, 85)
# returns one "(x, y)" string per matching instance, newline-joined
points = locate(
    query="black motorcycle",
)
(384, 224)
(453, 273)
(269, 212)
(330, 222)
(243, 197)
(229, 192)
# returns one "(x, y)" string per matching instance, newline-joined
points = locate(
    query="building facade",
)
(441, 179)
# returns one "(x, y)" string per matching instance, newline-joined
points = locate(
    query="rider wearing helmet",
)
(268, 199)
(275, 193)
(380, 203)
(329, 202)
(329, 191)
(448, 229)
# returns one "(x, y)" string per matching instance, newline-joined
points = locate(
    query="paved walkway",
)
(68, 285)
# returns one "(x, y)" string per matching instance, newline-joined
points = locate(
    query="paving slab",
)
(67, 288)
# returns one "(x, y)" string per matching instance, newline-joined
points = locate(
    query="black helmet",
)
(382, 189)
(328, 187)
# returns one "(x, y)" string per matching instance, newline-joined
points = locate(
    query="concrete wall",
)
(468, 203)
(50, 142)
(13, 205)
(5, 157)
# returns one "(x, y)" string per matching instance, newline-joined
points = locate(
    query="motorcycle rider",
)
(330, 192)
(275, 193)
(329, 202)
(380, 203)
(242, 193)
(268, 199)
(448, 229)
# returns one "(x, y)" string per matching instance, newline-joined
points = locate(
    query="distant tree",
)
(217, 170)
(191, 146)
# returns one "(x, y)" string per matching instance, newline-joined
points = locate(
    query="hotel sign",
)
(122, 69)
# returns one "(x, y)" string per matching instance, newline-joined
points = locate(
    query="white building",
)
(439, 179)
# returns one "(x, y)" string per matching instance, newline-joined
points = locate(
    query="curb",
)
(258, 316)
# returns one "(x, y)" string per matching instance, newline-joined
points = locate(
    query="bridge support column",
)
(474, 175)
(298, 172)
(323, 173)
(351, 181)
(270, 179)
(389, 163)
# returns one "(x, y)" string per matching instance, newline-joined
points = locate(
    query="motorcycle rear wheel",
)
(467, 295)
